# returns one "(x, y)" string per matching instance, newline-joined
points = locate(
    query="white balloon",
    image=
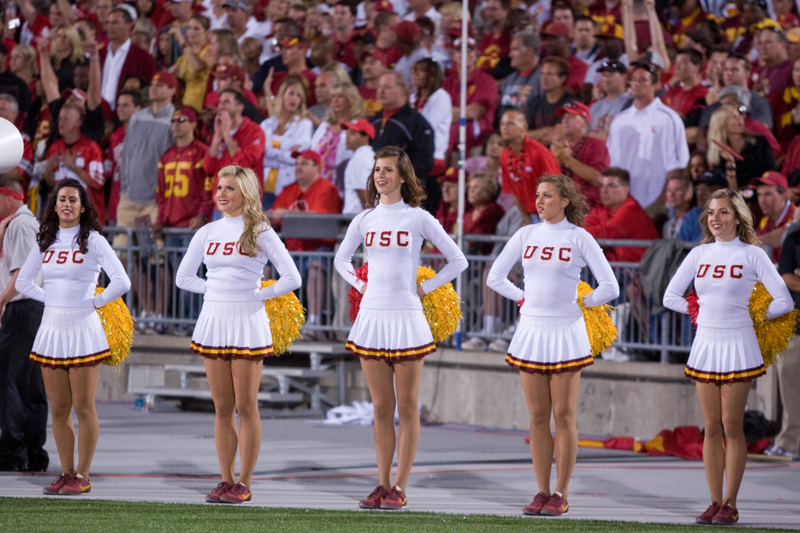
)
(11, 146)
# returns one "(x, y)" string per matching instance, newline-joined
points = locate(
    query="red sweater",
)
(630, 221)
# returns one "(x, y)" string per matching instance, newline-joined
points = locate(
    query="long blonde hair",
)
(744, 228)
(718, 130)
(255, 222)
(291, 81)
(577, 207)
(354, 99)
(74, 39)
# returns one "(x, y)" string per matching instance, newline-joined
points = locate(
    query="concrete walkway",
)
(169, 456)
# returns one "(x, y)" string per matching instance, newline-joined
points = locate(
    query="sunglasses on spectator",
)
(179, 119)
(613, 65)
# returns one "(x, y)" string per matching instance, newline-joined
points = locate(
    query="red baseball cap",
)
(613, 31)
(289, 42)
(555, 29)
(77, 93)
(233, 72)
(187, 112)
(309, 154)
(771, 178)
(575, 108)
(360, 125)
(450, 175)
(166, 78)
(471, 44)
(383, 5)
(407, 31)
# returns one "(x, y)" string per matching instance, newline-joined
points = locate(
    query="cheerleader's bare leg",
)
(710, 397)
(537, 395)
(246, 379)
(83, 383)
(380, 380)
(220, 381)
(59, 395)
(564, 388)
(734, 403)
(407, 378)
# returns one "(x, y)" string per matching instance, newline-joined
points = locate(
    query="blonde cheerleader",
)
(725, 355)
(232, 332)
(71, 342)
(391, 334)
(551, 344)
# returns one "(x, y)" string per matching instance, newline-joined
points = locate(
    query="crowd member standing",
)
(390, 334)
(194, 64)
(359, 134)
(121, 58)
(233, 333)
(434, 103)
(71, 343)
(725, 355)
(523, 84)
(551, 344)
(23, 403)
(128, 103)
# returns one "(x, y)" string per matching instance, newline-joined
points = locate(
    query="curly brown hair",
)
(88, 221)
(567, 188)
(413, 192)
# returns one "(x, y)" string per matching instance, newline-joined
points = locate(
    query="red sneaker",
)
(535, 508)
(236, 494)
(726, 516)
(556, 505)
(58, 482)
(708, 516)
(216, 494)
(76, 486)
(375, 498)
(395, 499)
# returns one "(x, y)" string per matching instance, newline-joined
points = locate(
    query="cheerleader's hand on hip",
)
(420, 292)
(363, 288)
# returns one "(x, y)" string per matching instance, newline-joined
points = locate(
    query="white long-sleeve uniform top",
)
(553, 256)
(724, 275)
(393, 237)
(231, 275)
(70, 277)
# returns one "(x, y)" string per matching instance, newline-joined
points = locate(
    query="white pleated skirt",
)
(393, 335)
(725, 355)
(545, 345)
(233, 330)
(70, 337)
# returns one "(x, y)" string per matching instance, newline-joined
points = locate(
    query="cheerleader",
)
(725, 355)
(232, 332)
(551, 344)
(71, 342)
(391, 335)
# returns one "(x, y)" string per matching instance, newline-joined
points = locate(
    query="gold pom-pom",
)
(601, 329)
(773, 334)
(286, 317)
(442, 307)
(118, 325)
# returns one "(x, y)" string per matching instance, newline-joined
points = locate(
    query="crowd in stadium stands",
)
(648, 105)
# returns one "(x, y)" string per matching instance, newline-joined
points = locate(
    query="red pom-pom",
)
(354, 295)
(694, 306)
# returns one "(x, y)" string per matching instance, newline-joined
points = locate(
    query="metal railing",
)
(160, 307)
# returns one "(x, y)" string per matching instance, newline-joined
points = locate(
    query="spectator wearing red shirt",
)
(772, 189)
(447, 214)
(582, 158)
(237, 140)
(688, 67)
(774, 78)
(557, 39)
(496, 44)
(690, 15)
(128, 103)
(741, 33)
(371, 70)
(311, 193)
(37, 25)
(76, 156)
(619, 217)
(293, 54)
(385, 48)
(606, 12)
(344, 17)
(540, 111)
(522, 163)
(482, 97)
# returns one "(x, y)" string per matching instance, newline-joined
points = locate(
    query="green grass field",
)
(99, 516)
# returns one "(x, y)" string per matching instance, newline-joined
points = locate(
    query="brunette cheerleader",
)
(551, 344)
(71, 342)
(232, 332)
(725, 355)
(391, 335)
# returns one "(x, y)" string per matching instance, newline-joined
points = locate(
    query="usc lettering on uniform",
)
(63, 256)
(719, 271)
(227, 248)
(401, 238)
(547, 253)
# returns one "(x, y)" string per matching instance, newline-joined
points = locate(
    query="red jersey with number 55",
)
(89, 158)
(183, 191)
